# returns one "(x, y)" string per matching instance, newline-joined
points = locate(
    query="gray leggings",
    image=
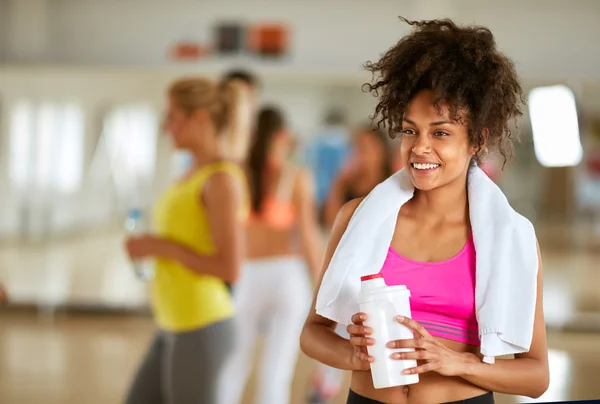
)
(183, 368)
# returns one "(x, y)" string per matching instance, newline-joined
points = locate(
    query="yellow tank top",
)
(182, 299)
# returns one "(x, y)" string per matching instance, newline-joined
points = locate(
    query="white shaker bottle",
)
(381, 304)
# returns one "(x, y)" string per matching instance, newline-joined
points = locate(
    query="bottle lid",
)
(369, 277)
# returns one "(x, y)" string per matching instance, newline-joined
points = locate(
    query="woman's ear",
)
(201, 116)
(479, 150)
(485, 132)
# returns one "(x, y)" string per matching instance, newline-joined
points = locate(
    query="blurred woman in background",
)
(369, 164)
(274, 292)
(243, 120)
(397, 157)
(198, 247)
(251, 83)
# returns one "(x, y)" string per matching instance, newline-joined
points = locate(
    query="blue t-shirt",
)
(326, 156)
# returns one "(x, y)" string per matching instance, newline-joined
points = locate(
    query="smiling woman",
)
(450, 95)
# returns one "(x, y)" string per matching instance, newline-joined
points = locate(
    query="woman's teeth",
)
(425, 166)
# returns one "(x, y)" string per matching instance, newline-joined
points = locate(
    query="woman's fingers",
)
(417, 355)
(354, 329)
(362, 341)
(408, 343)
(359, 318)
(428, 367)
(364, 357)
(415, 326)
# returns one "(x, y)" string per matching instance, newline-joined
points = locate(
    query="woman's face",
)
(435, 150)
(368, 150)
(184, 129)
(281, 146)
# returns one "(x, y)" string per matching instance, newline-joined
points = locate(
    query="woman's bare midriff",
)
(264, 241)
(432, 388)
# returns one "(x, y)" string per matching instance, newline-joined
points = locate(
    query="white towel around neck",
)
(506, 260)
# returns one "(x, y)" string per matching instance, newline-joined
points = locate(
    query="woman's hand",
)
(145, 245)
(359, 340)
(437, 356)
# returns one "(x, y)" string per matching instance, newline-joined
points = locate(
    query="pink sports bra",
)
(442, 293)
(277, 214)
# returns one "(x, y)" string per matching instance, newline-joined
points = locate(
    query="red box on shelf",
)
(270, 39)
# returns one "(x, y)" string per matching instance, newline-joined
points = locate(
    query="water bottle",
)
(137, 225)
(381, 304)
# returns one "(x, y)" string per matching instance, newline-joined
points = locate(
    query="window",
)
(46, 146)
(555, 128)
(21, 143)
(130, 136)
(70, 162)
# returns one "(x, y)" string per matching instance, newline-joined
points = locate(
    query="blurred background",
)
(82, 97)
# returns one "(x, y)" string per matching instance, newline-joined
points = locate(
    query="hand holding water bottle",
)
(141, 246)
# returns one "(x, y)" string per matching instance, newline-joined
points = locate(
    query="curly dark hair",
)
(463, 68)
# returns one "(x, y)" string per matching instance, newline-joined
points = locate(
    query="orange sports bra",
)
(278, 210)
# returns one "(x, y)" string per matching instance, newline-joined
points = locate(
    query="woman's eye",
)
(441, 133)
(408, 132)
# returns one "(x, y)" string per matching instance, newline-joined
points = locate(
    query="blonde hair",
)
(228, 105)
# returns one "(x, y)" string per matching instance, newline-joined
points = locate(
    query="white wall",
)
(3, 28)
(27, 28)
(547, 38)
(139, 32)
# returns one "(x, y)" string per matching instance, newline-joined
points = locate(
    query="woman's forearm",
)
(220, 266)
(321, 343)
(523, 376)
